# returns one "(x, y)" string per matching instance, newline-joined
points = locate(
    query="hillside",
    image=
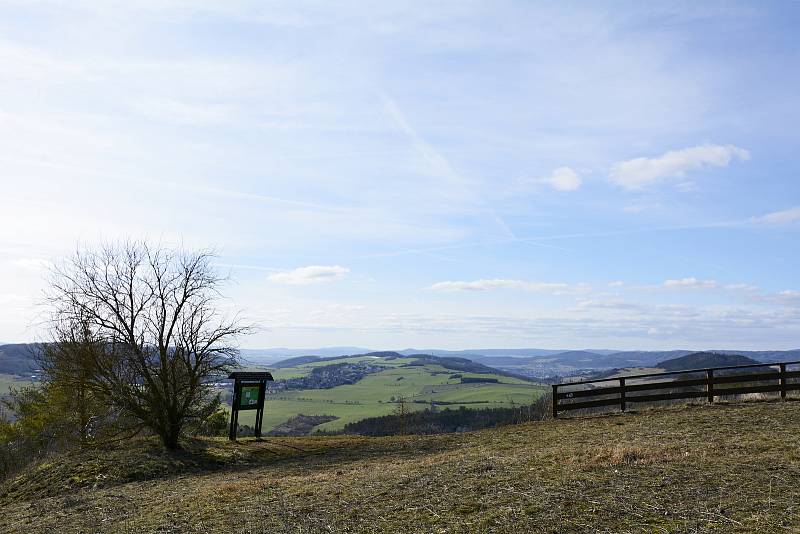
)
(448, 362)
(17, 359)
(17, 366)
(566, 363)
(373, 384)
(701, 360)
(688, 469)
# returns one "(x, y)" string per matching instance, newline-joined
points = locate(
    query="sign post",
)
(249, 391)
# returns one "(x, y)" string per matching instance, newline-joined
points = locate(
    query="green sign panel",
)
(249, 390)
(249, 396)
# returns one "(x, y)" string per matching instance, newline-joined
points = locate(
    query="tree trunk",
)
(170, 435)
(170, 441)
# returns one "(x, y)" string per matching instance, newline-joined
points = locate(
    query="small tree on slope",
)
(158, 337)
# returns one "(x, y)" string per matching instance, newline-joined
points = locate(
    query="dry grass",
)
(733, 468)
(622, 454)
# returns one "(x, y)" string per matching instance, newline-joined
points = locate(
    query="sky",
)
(419, 174)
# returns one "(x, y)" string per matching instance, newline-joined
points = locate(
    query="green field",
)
(9, 381)
(375, 394)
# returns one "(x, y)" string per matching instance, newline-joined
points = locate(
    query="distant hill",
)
(302, 360)
(464, 365)
(702, 360)
(513, 353)
(530, 361)
(17, 359)
(567, 362)
(271, 355)
(765, 355)
(643, 358)
(584, 358)
(297, 360)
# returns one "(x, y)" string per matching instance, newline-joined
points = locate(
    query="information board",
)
(249, 397)
(249, 393)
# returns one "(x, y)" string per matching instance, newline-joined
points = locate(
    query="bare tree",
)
(402, 411)
(158, 340)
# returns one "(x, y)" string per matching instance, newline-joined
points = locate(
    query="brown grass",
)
(731, 468)
(622, 454)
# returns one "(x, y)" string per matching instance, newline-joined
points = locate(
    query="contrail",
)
(438, 162)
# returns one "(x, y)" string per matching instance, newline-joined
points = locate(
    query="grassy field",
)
(9, 381)
(716, 468)
(373, 395)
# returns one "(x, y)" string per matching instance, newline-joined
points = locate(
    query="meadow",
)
(376, 394)
(9, 382)
(707, 468)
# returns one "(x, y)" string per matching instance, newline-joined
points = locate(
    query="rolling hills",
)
(17, 359)
(378, 380)
(421, 381)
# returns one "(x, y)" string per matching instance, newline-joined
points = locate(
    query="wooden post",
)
(555, 401)
(262, 391)
(234, 413)
(783, 380)
(710, 384)
(622, 394)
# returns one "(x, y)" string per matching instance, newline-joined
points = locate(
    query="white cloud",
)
(562, 179)
(616, 283)
(789, 216)
(497, 283)
(786, 297)
(691, 282)
(640, 172)
(615, 305)
(789, 296)
(741, 287)
(313, 274)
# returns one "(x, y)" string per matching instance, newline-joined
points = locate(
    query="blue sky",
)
(449, 174)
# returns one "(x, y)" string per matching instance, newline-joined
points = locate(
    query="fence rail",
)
(662, 390)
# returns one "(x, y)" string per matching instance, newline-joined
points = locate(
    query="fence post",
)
(555, 401)
(783, 380)
(710, 384)
(622, 394)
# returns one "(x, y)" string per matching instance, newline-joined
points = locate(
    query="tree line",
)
(405, 421)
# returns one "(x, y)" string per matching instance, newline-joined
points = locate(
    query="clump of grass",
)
(623, 455)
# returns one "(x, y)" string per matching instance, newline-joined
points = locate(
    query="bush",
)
(42, 423)
(215, 425)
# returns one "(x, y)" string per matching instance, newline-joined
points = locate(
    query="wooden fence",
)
(767, 378)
